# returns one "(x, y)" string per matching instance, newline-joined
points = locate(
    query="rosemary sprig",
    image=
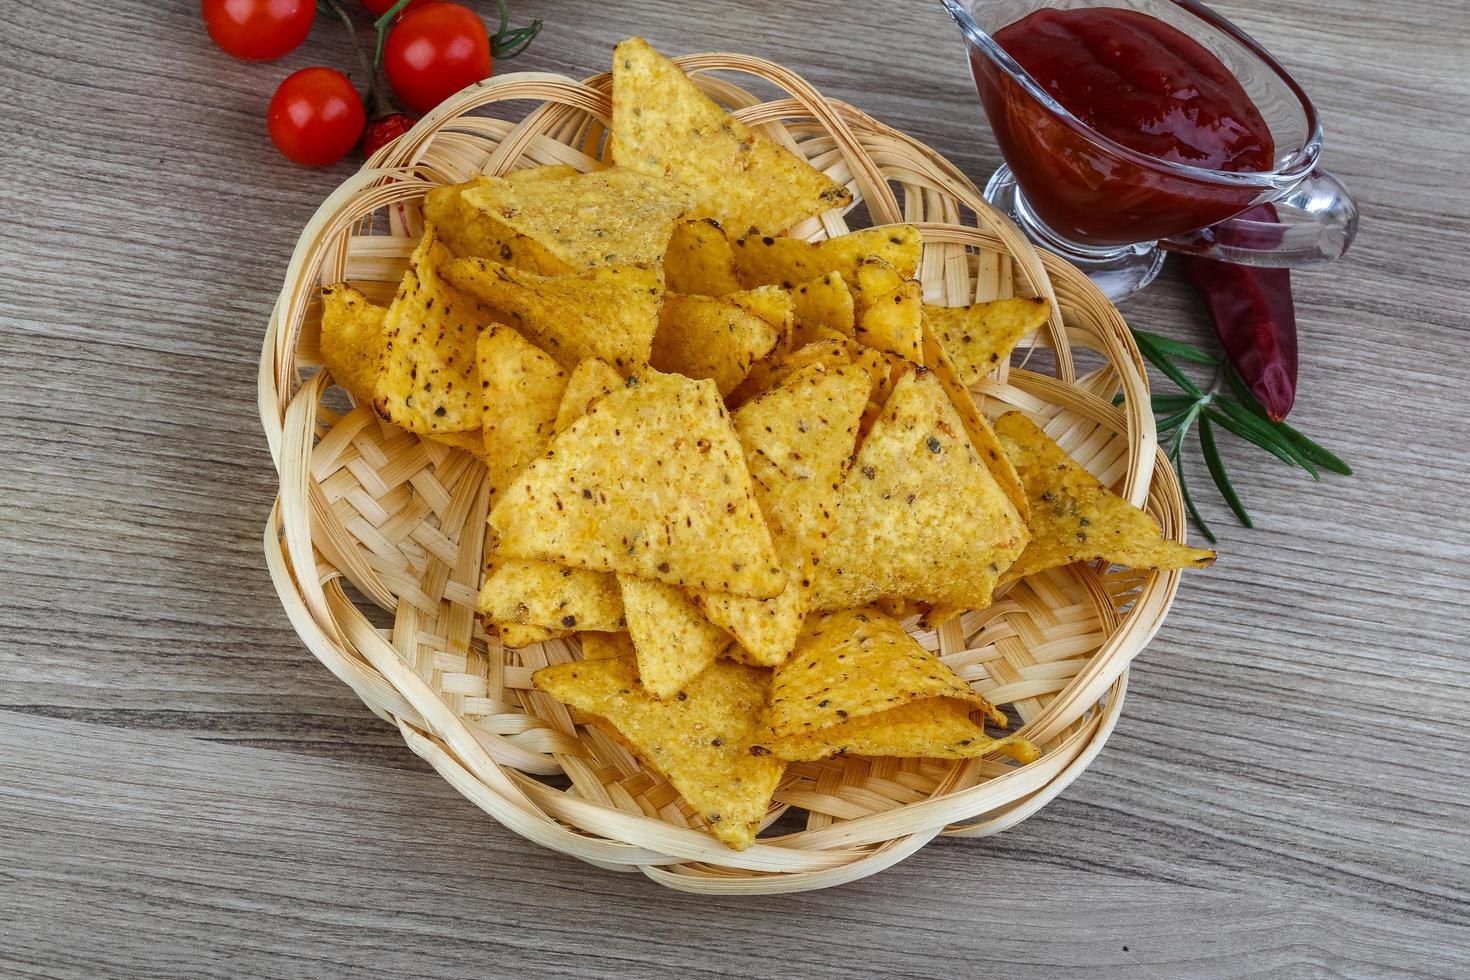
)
(1211, 409)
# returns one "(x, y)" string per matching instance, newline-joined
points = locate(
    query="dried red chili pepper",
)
(1255, 319)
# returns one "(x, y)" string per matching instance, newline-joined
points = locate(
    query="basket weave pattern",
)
(369, 515)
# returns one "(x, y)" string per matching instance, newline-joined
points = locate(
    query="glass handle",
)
(1313, 223)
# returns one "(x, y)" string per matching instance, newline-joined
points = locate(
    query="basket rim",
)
(675, 856)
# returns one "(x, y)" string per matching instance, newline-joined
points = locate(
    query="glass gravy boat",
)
(1112, 210)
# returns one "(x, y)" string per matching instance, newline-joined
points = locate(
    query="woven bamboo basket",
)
(369, 516)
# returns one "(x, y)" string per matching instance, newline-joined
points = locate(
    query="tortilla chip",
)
(651, 482)
(979, 337)
(776, 370)
(936, 728)
(612, 217)
(673, 639)
(855, 663)
(707, 337)
(544, 171)
(797, 440)
(982, 436)
(700, 742)
(825, 303)
(919, 515)
(515, 635)
(1076, 518)
(610, 312)
(788, 262)
(606, 646)
(429, 382)
(591, 379)
(665, 126)
(875, 277)
(352, 340)
(699, 260)
(467, 231)
(771, 303)
(938, 616)
(894, 322)
(537, 593)
(521, 387)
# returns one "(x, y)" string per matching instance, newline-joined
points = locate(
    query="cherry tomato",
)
(380, 132)
(434, 51)
(258, 30)
(380, 7)
(315, 117)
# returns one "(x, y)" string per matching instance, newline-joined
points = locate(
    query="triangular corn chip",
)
(606, 646)
(467, 231)
(855, 663)
(919, 516)
(592, 378)
(615, 217)
(709, 337)
(674, 641)
(979, 337)
(771, 303)
(775, 370)
(1076, 518)
(824, 302)
(699, 260)
(651, 481)
(517, 635)
(797, 440)
(537, 593)
(788, 262)
(894, 322)
(352, 340)
(610, 313)
(665, 126)
(429, 381)
(701, 743)
(936, 728)
(982, 436)
(521, 387)
(545, 171)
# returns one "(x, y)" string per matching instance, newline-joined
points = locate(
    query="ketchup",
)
(1141, 83)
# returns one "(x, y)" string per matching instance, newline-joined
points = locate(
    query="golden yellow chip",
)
(591, 379)
(978, 338)
(771, 303)
(651, 482)
(710, 337)
(537, 593)
(936, 728)
(825, 302)
(854, 663)
(919, 516)
(1076, 518)
(430, 382)
(546, 171)
(788, 262)
(665, 126)
(982, 436)
(774, 371)
(894, 322)
(612, 217)
(606, 646)
(701, 743)
(352, 340)
(517, 635)
(875, 277)
(674, 641)
(521, 387)
(937, 616)
(467, 231)
(797, 441)
(610, 313)
(699, 260)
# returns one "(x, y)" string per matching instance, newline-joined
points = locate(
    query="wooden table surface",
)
(184, 791)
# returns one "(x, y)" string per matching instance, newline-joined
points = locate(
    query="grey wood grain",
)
(184, 791)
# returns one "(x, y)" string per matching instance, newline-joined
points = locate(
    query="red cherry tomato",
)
(380, 7)
(258, 30)
(381, 132)
(315, 117)
(434, 51)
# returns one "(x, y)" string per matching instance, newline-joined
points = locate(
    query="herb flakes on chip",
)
(1076, 518)
(700, 741)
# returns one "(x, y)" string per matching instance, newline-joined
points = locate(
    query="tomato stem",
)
(507, 43)
(376, 100)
